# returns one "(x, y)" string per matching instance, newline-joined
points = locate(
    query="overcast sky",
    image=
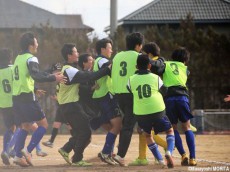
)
(95, 13)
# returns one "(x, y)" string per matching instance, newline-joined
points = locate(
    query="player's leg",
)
(110, 112)
(146, 124)
(159, 141)
(184, 117)
(80, 124)
(179, 146)
(154, 148)
(39, 151)
(8, 118)
(194, 129)
(142, 159)
(35, 113)
(128, 123)
(173, 113)
(190, 139)
(160, 124)
(56, 126)
(59, 120)
(170, 138)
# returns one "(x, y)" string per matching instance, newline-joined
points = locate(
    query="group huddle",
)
(137, 85)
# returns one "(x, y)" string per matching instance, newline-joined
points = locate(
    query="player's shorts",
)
(109, 109)
(59, 117)
(27, 112)
(158, 122)
(8, 117)
(178, 108)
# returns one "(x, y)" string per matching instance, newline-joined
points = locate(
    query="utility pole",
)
(113, 22)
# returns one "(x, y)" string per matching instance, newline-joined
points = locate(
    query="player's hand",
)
(40, 93)
(60, 77)
(95, 87)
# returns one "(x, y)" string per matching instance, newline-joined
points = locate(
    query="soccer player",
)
(72, 110)
(59, 120)
(25, 73)
(86, 89)
(6, 105)
(106, 102)
(177, 102)
(149, 108)
(153, 51)
(124, 65)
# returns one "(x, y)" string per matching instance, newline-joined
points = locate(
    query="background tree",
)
(209, 64)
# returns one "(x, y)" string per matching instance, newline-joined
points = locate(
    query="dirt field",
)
(212, 153)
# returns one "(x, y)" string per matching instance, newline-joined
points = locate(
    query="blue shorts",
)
(178, 108)
(109, 109)
(158, 122)
(27, 112)
(8, 117)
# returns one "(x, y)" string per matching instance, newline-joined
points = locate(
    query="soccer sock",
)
(159, 141)
(170, 142)
(20, 142)
(13, 140)
(142, 146)
(193, 129)
(38, 147)
(178, 143)
(54, 134)
(153, 148)
(36, 138)
(112, 149)
(6, 139)
(191, 143)
(109, 142)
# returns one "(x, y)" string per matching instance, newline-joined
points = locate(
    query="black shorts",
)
(8, 117)
(59, 117)
(75, 116)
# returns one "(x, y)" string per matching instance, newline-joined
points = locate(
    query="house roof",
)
(172, 11)
(18, 14)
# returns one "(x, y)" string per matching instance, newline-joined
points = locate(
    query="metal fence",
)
(211, 120)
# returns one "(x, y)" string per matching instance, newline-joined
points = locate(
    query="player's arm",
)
(36, 74)
(104, 63)
(157, 66)
(162, 89)
(76, 76)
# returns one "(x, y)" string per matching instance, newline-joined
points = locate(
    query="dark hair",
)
(143, 61)
(5, 56)
(152, 48)
(102, 44)
(26, 40)
(83, 58)
(66, 50)
(181, 54)
(134, 39)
